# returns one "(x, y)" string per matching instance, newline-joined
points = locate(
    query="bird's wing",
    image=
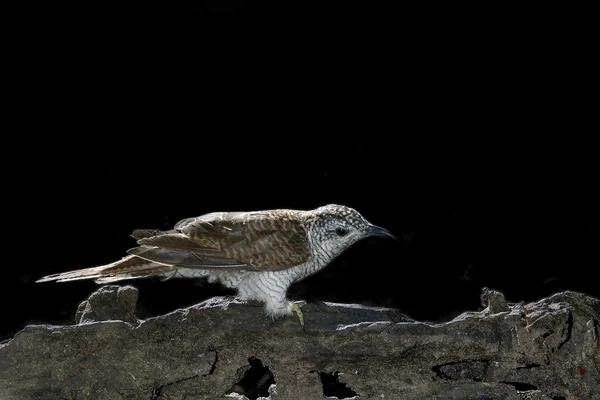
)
(259, 241)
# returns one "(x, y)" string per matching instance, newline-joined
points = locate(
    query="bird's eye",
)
(341, 231)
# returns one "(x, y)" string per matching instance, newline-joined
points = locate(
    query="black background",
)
(464, 131)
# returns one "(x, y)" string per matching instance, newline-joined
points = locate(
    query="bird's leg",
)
(297, 308)
(281, 307)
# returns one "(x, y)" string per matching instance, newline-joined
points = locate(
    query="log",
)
(548, 349)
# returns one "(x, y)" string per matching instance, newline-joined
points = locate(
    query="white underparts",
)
(268, 287)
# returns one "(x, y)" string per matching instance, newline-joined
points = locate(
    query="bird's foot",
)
(297, 308)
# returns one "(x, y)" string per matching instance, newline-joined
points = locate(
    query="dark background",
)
(464, 131)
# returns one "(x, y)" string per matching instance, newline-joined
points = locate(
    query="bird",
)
(259, 254)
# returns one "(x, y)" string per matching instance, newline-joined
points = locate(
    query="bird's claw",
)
(297, 308)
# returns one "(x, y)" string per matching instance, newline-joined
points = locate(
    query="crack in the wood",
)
(530, 365)
(521, 386)
(569, 330)
(157, 393)
(213, 366)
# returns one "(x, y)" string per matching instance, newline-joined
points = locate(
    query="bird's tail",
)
(129, 267)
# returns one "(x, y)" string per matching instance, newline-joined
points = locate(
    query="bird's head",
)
(336, 227)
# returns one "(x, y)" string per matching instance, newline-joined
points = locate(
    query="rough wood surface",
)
(547, 349)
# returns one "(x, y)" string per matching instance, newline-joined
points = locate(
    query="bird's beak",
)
(373, 230)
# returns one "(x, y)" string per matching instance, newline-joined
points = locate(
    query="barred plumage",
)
(258, 253)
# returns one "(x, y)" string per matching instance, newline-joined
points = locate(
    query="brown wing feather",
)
(271, 240)
(128, 267)
(144, 233)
